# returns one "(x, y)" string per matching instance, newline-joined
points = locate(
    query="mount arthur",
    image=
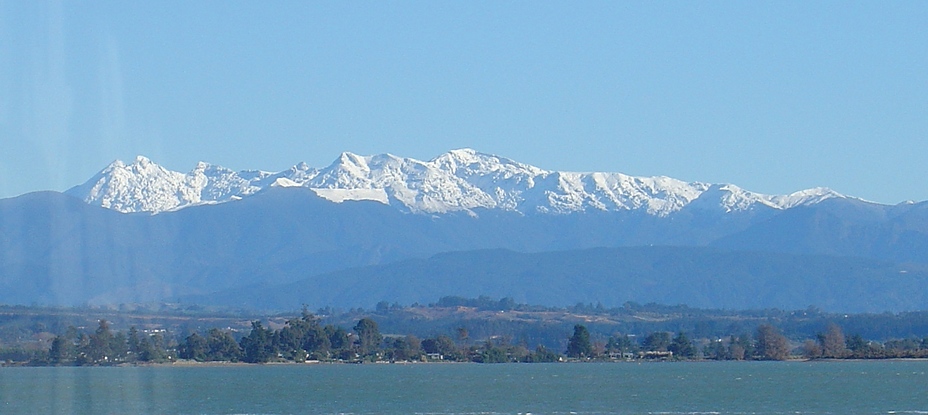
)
(372, 228)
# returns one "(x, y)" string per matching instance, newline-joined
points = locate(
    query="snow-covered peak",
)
(145, 186)
(459, 180)
(140, 186)
(464, 153)
(353, 161)
(142, 161)
(471, 162)
(805, 197)
(116, 164)
(464, 157)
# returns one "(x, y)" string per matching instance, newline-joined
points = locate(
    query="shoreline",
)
(184, 363)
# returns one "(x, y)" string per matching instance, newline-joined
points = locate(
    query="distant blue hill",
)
(58, 250)
(695, 276)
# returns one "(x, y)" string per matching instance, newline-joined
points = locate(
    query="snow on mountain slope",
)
(460, 180)
(144, 186)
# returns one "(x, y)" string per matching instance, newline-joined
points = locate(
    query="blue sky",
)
(772, 96)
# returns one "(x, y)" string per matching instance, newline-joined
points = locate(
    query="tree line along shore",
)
(306, 339)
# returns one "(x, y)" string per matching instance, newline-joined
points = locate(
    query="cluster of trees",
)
(300, 339)
(531, 324)
(26, 333)
(833, 344)
(768, 343)
(103, 347)
(306, 338)
(660, 344)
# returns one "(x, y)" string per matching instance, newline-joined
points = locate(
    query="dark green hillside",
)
(843, 228)
(699, 277)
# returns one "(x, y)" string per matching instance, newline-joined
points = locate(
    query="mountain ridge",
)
(459, 180)
(58, 250)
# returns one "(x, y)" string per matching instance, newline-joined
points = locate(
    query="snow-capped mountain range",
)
(460, 180)
(464, 223)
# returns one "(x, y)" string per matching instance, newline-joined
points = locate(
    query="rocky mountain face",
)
(460, 180)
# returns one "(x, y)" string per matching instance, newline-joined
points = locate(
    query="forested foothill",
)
(453, 329)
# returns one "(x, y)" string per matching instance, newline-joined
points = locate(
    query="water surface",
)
(854, 387)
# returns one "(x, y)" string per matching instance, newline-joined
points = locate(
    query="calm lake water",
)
(864, 387)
